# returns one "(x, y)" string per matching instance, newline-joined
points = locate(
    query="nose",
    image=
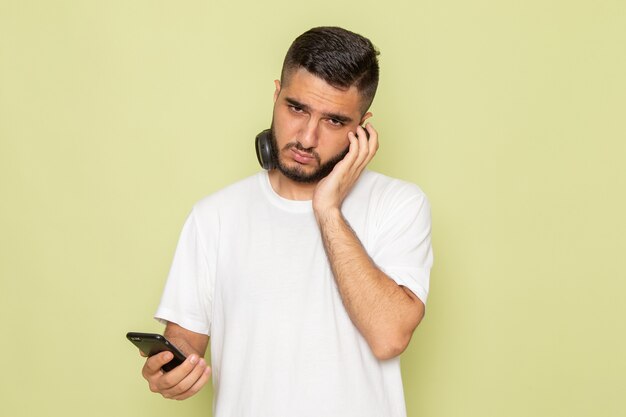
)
(309, 134)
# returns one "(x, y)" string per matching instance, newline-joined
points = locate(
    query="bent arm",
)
(385, 313)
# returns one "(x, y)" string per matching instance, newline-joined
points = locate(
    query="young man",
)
(309, 278)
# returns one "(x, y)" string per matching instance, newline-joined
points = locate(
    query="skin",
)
(186, 379)
(385, 313)
(318, 116)
(323, 120)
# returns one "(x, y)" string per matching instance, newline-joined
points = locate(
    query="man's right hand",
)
(187, 378)
(181, 382)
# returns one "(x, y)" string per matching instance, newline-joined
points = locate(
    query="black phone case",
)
(152, 343)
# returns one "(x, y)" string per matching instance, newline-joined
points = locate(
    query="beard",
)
(296, 173)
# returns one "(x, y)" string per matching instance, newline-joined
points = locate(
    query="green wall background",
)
(116, 116)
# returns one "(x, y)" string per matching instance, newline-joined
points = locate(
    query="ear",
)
(365, 117)
(277, 91)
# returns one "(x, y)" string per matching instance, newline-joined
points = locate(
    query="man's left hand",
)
(332, 190)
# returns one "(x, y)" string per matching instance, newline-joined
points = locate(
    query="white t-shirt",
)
(250, 271)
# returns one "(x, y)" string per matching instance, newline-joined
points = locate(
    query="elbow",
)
(393, 341)
(390, 347)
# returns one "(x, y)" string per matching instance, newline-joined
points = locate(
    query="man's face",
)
(310, 125)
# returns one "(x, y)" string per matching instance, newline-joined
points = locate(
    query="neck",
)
(290, 189)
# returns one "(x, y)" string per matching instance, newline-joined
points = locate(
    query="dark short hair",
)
(341, 58)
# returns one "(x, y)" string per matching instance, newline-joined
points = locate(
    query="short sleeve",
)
(403, 247)
(187, 296)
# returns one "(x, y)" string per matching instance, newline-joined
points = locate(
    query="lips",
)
(302, 157)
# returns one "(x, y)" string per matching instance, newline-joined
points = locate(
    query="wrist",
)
(326, 214)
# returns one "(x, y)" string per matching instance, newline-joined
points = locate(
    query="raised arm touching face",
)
(385, 313)
(188, 378)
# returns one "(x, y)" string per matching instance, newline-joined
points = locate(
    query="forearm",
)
(187, 341)
(383, 312)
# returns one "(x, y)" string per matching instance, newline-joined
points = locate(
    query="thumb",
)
(154, 363)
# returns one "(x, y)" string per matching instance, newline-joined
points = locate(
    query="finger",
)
(373, 141)
(354, 141)
(196, 385)
(362, 132)
(361, 137)
(154, 363)
(372, 144)
(142, 354)
(175, 376)
(353, 150)
(363, 150)
(188, 380)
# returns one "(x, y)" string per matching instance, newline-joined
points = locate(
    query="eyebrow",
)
(337, 116)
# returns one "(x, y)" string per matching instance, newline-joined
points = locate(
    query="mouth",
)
(302, 157)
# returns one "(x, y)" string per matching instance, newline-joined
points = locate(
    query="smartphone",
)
(151, 344)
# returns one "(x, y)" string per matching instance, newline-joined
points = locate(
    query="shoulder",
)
(231, 196)
(227, 204)
(378, 188)
(380, 200)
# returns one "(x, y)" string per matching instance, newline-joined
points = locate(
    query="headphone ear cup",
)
(263, 145)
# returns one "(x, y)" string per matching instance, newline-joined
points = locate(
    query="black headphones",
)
(263, 144)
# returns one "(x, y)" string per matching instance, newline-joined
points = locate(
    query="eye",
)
(335, 122)
(295, 109)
